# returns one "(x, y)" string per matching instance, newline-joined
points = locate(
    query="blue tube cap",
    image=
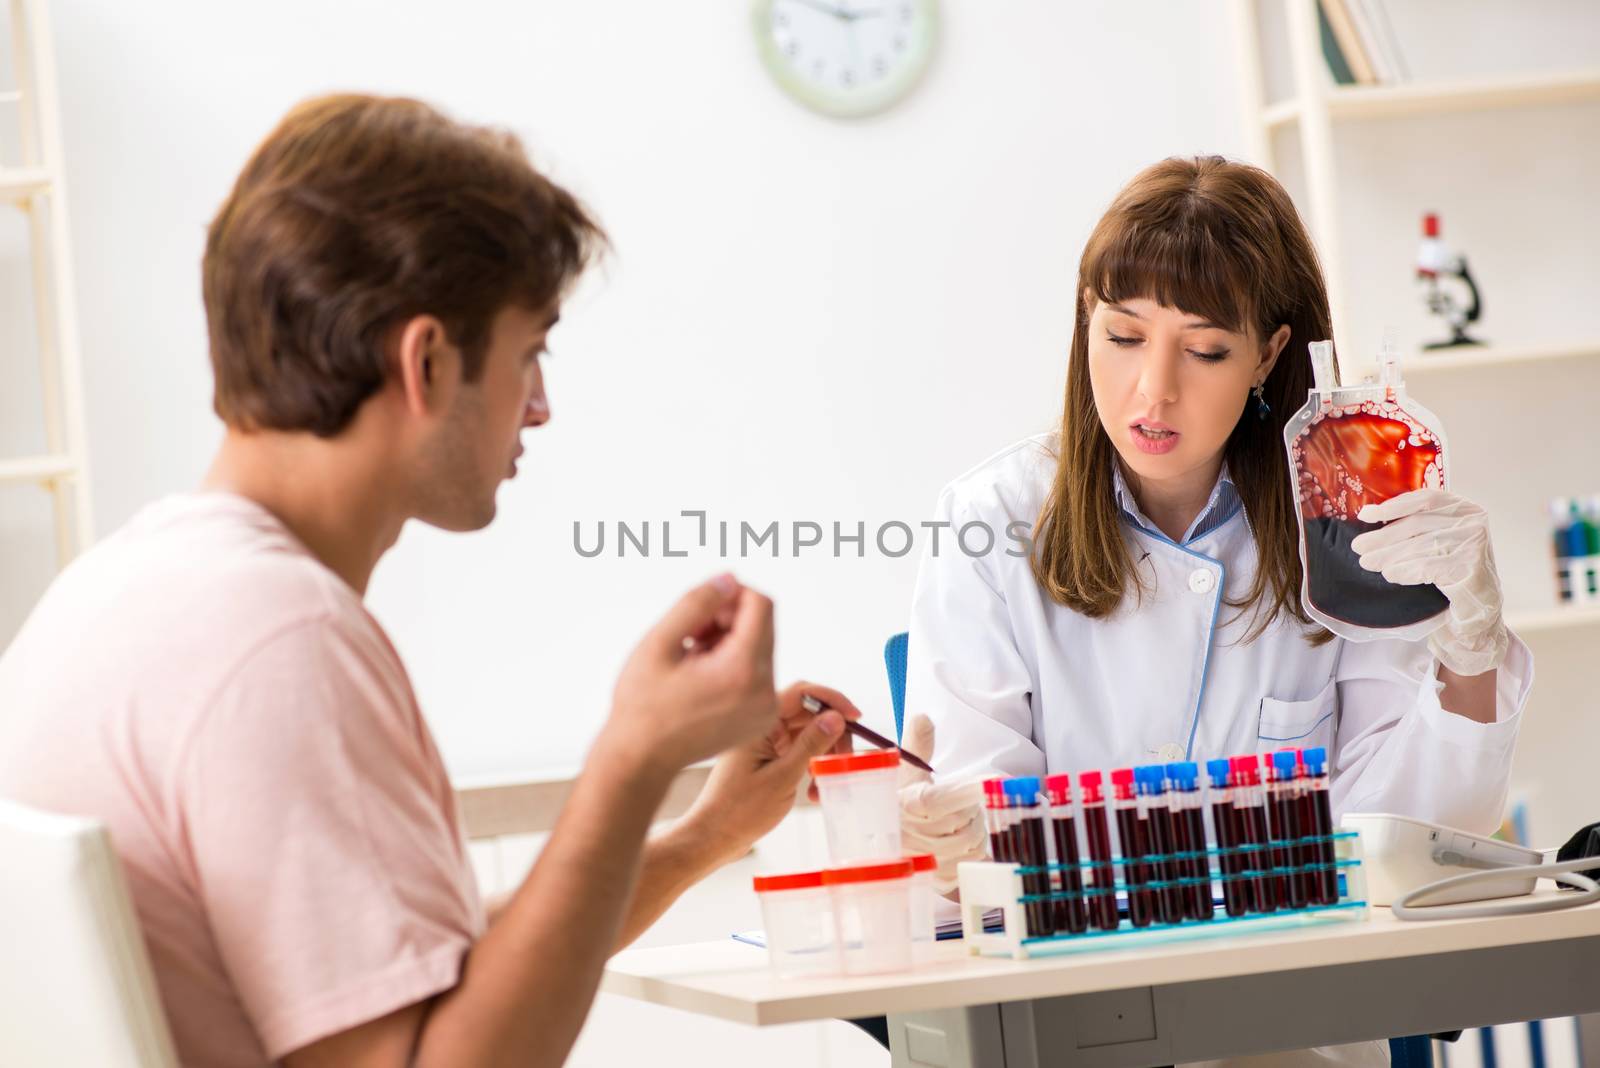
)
(1218, 770)
(1316, 760)
(1153, 777)
(1185, 775)
(1025, 788)
(1285, 760)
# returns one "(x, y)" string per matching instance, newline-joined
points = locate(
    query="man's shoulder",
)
(188, 587)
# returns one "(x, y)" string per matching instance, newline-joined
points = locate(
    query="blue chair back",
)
(894, 659)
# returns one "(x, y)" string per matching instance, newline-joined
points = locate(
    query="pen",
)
(866, 734)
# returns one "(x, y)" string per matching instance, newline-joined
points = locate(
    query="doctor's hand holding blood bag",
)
(1153, 609)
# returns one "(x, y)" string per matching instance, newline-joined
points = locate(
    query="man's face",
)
(478, 443)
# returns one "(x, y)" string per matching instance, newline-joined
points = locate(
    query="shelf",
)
(20, 183)
(1525, 623)
(1489, 356)
(1394, 101)
(1427, 362)
(36, 469)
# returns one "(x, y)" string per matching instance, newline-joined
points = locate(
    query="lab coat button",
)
(1202, 581)
(1170, 753)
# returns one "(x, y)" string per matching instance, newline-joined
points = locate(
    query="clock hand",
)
(826, 9)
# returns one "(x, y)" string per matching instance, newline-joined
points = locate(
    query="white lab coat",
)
(1019, 685)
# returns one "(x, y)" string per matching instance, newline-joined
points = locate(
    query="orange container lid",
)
(867, 873)
(841, 763)
(800, 880)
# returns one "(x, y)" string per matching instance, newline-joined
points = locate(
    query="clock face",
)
(846, 57)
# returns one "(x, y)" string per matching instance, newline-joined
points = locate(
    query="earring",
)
(1263, 409)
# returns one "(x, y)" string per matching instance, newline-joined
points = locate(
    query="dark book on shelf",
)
(1337, 64)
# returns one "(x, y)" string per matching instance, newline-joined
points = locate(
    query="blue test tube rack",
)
(987, 886)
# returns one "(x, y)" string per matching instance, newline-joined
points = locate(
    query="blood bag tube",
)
(1189, 837)
(1157, 811)
(1029, 843)
(1102, 892)
(994, 819)
(1071, 915)
(1283, 812)
(1134, 835)
(1250, 809)
(1319, 824)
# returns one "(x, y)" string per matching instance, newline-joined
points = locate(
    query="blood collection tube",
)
(1134, 834)
(1318, 823)
(1250, 807)
(1236, 895)
(1189, 836)
(1071, 915)
(1102, 895)
(994, 818)
(1157, 813)
(1287, 827)
(1283, 812)
(1028, 831)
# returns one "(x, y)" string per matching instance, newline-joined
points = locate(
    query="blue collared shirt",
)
(1223, 504)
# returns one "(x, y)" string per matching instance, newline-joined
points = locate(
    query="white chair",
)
(75, 983)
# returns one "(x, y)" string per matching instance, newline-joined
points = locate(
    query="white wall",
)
(803, 320)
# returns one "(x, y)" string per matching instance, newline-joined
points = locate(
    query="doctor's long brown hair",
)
(1221, 240)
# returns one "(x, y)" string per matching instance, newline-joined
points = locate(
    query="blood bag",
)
(1351, 446)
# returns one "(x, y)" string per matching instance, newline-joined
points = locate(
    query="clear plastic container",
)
(872, 915)
(923, 898)
(860, 805)
(797, 911)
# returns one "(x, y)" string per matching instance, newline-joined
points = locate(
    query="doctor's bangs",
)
(1182, 259)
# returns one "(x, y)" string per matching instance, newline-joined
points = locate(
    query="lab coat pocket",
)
(1301, 724)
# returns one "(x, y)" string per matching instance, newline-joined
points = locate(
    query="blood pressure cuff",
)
(1586, 843)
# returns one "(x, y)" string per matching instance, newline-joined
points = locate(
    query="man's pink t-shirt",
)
(223, 702)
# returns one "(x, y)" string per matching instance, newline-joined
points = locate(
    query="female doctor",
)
(1158, 615)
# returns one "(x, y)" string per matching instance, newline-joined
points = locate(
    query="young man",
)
(378, 287)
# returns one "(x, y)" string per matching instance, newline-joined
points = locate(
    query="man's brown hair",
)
(1221, 240)
(356, 214)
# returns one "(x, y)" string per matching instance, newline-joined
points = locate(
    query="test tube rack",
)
(987, 886)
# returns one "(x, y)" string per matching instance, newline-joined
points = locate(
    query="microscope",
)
(1443, 275)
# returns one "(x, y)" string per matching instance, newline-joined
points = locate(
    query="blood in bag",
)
(1350, 447)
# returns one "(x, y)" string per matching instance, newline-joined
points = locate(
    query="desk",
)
(1185, 1001)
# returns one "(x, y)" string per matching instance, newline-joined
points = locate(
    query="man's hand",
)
(751, 788)
(699, 683)
(755, 785)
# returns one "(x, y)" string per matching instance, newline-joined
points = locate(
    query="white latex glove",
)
(945, 819)
(1433, 536)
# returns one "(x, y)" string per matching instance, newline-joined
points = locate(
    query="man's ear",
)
(1271, 351)
(421, 351)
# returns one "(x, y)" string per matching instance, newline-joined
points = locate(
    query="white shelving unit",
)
(1315, 107)
(1554, 619)
(1494, 356)
(35, 187)
(1398, 101)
